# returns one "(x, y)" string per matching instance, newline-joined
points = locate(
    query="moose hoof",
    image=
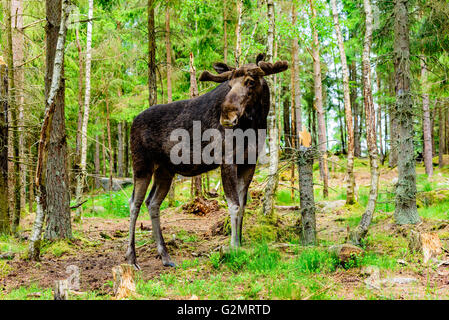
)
(169, 264)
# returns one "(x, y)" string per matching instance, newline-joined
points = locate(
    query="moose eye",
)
(250, 82)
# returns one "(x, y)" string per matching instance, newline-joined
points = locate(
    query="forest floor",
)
(271, 264)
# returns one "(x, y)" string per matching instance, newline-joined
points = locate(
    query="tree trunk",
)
(108, 126)
(350, 198)
(355, 106)
(225, 32)
(171, 192)
(80, 105)
(97, 161)
(270, 190)
(13, 108)
(4, 205)
(371, 136)
(197, 186)
(59, 222)
(406, 211)
(318, 90)
(394, 133)
(426, 121)
(152, 81)
(126, 148)
(238, 35)
(19, 77)
(305, 177)
(121, 149)
(441, 136)
(82, 176)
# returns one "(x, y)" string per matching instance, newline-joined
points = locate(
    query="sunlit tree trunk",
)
(238, 30)
(81, 178)
(426, 121)
(152, 80)
(406, 211)
(371, 136)
(350, 199)
(318, 90)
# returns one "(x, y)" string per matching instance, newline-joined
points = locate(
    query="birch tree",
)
(350, 199)
(82, 175)
(270, 191)
(55, 63)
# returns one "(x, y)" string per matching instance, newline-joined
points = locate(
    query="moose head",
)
(246, 85)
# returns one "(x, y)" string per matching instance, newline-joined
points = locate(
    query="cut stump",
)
(124, 285)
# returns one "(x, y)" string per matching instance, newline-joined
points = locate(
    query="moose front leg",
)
(245, 175)
(231, 190)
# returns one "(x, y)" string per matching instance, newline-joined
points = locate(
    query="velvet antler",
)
(270, 68)
(222, 77)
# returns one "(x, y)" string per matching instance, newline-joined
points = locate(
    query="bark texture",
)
(270, 190)
(406, 211)
(307, 201)
(57, 16)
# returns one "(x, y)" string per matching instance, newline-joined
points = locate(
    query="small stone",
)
(194, 297)
(400, 280)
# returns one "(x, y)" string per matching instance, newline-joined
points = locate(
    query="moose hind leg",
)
(161, 186)
(140, 189)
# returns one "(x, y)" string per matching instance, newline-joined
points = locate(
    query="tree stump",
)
(428, 244)
(124, 285)
(61, 290)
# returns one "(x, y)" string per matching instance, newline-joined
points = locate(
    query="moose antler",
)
(222, 77)
(270, 68)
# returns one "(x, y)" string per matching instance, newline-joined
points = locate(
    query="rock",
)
(97, 209)
(373, 281)
(400, 280)
(117, 183)
(194, 297)
(330, 206)
(345, 251)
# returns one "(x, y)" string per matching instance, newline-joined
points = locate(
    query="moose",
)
(242, 100)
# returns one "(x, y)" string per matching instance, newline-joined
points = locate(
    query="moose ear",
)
(207, 76)
(221, 67)
(270, 68)
(260, 57)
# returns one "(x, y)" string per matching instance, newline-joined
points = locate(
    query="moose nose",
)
(229, 123)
